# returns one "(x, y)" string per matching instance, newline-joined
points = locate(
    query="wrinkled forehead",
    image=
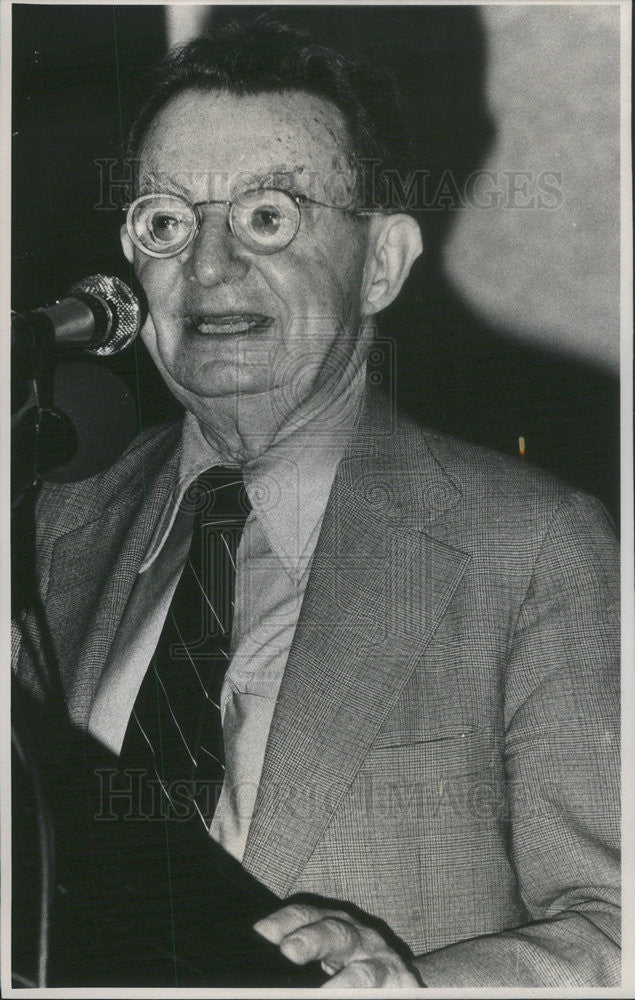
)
(212, 145)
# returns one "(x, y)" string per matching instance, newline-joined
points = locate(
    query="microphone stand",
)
(43, 438)
(36, 427)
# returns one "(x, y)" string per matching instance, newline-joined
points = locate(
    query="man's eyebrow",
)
(292, 172)
(288, 174)
(153, 181)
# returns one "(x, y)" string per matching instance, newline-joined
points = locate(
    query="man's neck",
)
(242, 430)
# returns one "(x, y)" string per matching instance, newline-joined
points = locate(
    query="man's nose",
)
(214, 256)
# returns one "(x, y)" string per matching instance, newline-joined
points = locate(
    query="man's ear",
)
(394, 245)
(126, 244)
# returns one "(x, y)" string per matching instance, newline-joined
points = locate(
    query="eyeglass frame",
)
(297, 199)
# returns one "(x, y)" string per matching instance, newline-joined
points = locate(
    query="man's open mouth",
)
(229, 324)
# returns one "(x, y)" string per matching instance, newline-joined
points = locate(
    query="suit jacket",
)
(443, 752)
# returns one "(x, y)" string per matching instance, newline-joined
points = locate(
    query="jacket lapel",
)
(95, 567)
(378, 588)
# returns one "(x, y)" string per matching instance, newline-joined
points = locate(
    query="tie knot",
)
(218, 494)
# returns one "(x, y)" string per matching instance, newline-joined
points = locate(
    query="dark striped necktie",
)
(174, 734)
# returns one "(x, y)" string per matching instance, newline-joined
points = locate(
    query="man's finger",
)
(364, 972)
(373, 972)
(278, 925)
(329, 938)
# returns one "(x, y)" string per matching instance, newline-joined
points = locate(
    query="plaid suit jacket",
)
(443, 752)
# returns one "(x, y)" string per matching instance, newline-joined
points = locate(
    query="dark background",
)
(76, 75)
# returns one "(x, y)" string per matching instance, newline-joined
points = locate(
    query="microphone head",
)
(119, 304)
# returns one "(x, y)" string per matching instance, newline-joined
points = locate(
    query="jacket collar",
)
(390, 466)
(94, 564)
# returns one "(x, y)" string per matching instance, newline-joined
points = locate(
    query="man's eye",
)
(166, 228)
(265, 221)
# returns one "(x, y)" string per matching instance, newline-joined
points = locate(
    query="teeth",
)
(228, 325)
(224, 327)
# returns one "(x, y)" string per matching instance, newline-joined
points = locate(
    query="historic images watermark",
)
(371, 187)
(134, 795)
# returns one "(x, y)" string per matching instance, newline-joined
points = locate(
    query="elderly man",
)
(414, 667)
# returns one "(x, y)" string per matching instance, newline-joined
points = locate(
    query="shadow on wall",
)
(455, 370)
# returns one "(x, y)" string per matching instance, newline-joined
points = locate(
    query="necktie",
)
(174, 734)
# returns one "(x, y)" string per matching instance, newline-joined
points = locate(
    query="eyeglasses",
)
(265, 220)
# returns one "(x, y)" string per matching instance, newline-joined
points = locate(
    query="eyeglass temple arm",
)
(302, 198)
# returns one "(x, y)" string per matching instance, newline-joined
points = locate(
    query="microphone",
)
(100, 314)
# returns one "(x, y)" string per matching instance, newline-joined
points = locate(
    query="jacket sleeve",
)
(562, 771)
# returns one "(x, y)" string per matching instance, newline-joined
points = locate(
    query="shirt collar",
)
(197, 456)
(288, 486)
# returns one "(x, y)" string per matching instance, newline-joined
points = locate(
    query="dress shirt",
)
(288, 488)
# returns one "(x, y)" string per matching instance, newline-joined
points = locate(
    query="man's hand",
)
(354, 955)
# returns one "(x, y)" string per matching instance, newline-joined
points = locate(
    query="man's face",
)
(227, 322)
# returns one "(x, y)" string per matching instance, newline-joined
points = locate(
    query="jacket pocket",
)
(444, 752)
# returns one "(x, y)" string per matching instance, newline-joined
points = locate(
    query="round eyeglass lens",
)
(161, 224)
(265, 221)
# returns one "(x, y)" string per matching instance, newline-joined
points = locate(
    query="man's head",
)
(239, 333)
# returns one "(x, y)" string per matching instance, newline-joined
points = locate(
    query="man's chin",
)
(249, 402)
(218, 380)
